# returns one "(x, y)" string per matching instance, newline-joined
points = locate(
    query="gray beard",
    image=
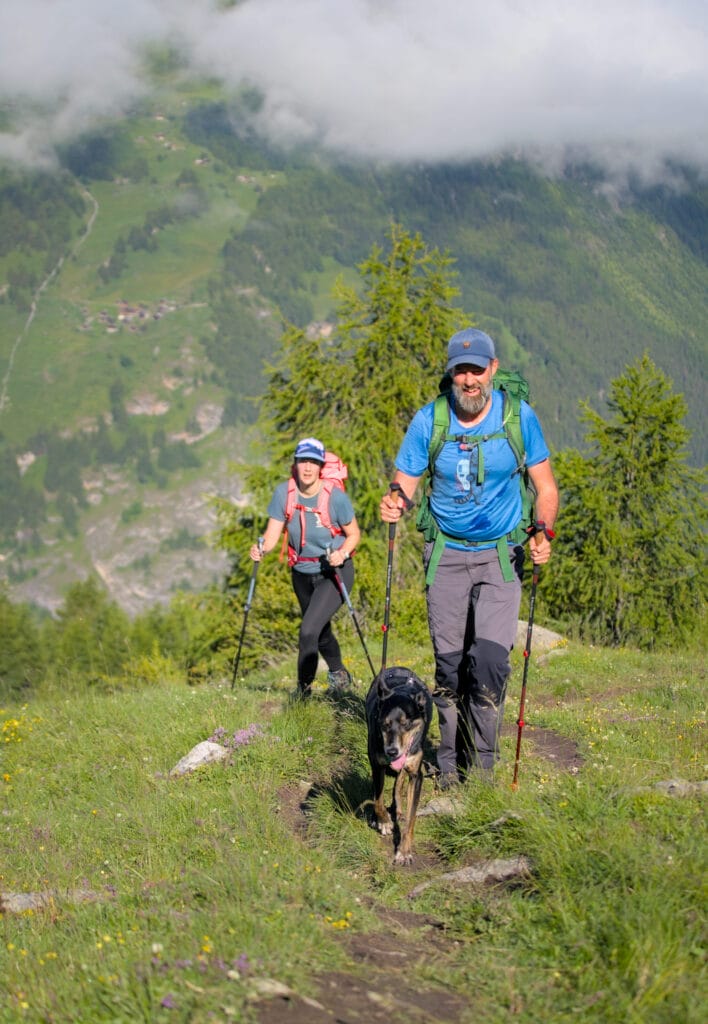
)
(469, 405)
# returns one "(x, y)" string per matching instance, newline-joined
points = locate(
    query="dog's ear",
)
(421, 699)
(383, 690)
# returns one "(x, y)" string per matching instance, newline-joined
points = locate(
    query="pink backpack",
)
(333, 474)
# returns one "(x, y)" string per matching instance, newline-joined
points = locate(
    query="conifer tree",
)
(357, 393)
(629, 562)
(22, 659)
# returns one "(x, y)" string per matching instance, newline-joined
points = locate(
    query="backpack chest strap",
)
(470, 442)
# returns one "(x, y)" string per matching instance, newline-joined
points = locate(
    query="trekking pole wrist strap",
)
(540, 527)
(395, 488)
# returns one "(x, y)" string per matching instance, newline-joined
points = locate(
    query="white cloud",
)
(392, 79)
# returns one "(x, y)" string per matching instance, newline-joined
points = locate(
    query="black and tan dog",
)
(398, 715)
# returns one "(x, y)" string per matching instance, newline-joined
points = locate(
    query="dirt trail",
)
(382, 987)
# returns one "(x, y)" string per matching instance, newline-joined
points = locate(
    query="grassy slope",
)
(206, 887)
(62, 369)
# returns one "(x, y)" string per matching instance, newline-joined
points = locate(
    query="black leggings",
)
(319, 598)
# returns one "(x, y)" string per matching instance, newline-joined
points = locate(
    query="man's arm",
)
(544, 484)
(393, 504)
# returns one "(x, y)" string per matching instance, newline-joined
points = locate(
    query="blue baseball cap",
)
(310, 448)
(470, 346)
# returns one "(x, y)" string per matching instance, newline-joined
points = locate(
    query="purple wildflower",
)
(243, 736)
(242, 965)
(168, 1002)
(239, 739)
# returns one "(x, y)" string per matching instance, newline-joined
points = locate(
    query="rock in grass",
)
(21, 902)
(679, 787)
(204, 753)
(501, 870)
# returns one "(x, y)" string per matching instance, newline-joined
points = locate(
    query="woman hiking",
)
(322, 535)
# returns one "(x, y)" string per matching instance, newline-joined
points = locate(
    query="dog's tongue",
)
(399, 762)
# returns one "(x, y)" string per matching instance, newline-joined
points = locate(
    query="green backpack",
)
(514, 389)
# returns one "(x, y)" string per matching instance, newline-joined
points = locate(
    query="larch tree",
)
(357, 393)
(629, 565)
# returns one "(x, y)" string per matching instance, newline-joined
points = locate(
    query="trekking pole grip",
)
(395, 488)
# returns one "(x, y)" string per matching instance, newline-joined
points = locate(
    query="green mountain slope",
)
(144, 285)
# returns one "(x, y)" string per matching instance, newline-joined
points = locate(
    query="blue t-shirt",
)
(317, 537)
(467, 503)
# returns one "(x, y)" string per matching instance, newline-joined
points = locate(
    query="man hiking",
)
(474, 554)
(321, 538)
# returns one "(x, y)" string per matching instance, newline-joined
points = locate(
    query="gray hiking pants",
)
(472, 617)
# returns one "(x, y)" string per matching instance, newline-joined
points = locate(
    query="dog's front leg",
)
(412, 784)
(383, 818)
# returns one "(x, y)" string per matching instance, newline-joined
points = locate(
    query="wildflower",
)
(168, 1002)
(242, 965)
(239, 739)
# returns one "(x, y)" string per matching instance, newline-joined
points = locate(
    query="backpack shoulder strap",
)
(514, 388)
(511, 422)
(441, 425)
(290, 499)
(323, 499)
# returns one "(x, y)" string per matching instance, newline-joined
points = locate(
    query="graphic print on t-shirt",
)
(466, 476)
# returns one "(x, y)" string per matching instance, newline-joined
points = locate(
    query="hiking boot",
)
(338, 681)
(448, 780)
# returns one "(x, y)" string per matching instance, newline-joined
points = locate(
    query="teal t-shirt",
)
(317, 537)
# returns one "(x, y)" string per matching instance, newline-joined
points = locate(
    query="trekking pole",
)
(246, 610)
(527, 655)
(394, 489)
(345, 594)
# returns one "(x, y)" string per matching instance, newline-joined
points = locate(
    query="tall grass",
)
(171, 895)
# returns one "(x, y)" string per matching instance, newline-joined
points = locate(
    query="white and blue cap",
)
(310, 448)
(470, 346)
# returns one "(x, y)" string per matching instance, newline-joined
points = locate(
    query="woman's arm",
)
(271, 535)
(352, 536)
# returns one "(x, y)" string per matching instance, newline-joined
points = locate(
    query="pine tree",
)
(629, 562)
(357, 393)
(22, 660)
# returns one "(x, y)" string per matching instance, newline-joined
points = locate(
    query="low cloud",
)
(623, 82)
